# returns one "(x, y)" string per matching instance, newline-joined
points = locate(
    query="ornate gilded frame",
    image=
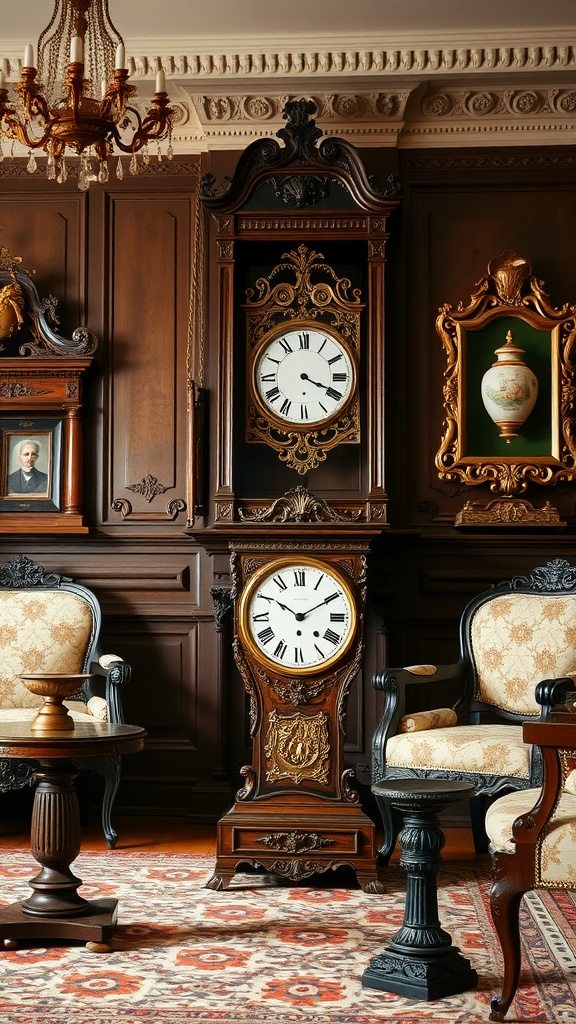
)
(471, 452)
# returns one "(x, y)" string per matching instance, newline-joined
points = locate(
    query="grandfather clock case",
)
(297, 488)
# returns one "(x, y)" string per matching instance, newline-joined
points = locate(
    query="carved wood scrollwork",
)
(298, 505)
(22, 310)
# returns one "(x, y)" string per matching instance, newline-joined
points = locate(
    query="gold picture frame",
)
(508, 316)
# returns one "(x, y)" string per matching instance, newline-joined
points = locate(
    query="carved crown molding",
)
(400, 93)
(184, 58)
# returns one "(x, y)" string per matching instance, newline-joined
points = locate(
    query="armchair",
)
(48, 623)
(532, 839)
(512, 637)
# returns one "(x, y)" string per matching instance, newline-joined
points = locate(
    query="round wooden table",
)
(55, 910)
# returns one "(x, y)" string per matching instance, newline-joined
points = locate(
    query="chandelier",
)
(77, 98)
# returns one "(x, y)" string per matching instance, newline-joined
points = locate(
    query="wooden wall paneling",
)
(147, 305)
(48, 232)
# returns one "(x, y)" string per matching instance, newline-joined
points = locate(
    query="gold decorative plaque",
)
(297, 747)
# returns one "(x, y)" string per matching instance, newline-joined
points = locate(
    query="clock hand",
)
(304, 376)
(287, 609)
(319, 605)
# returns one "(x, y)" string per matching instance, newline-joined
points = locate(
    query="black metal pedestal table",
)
(420, 960)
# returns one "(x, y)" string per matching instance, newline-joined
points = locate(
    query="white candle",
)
(120, 57)
(103, 87)
(2, 80)
(76, 50)
(160, 82)
(29, 56)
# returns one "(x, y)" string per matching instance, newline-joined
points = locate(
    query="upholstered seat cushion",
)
(483, 749)
(556, 859)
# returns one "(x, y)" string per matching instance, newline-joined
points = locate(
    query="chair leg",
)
(112, 781)
(505, 900)
(478, 807)
(109, 768)
(390, 830)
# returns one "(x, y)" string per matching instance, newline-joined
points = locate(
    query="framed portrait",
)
(509, 394)
(31, 466)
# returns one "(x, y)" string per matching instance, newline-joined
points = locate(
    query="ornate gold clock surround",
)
(304, 305)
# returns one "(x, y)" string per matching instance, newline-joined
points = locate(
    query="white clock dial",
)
(304, 376)
(298, 615)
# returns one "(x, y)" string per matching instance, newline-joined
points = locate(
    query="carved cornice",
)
(402, 93)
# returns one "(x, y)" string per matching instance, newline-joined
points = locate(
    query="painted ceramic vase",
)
(509, 389)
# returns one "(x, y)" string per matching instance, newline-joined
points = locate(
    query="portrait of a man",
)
(27, 479)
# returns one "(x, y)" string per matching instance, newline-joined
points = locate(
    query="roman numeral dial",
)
(298, 615)
(304, 376)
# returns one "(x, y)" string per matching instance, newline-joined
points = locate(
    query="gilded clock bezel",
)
(269, 569)
(293, 326)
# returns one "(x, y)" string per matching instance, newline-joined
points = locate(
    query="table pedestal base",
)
(421, 976)
(420, 960)
(96, 924)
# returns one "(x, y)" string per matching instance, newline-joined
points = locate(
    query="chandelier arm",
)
(18, 131)
(152, 128)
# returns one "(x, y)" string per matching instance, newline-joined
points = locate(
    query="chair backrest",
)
(518, 633)
(47, 624)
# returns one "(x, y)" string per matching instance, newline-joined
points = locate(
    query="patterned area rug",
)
(261, 952)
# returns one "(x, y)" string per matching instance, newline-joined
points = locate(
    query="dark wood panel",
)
(48, 232)
(147, 337)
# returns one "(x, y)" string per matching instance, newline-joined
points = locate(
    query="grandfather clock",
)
(297, 489)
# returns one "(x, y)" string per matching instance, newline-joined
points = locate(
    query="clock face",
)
(304, 375)
(298, 615)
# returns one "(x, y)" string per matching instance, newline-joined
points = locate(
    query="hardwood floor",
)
(177, 835)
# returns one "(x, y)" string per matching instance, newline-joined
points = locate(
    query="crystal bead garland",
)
(509, 389)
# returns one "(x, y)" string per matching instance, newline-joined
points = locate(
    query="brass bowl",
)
(54, 687)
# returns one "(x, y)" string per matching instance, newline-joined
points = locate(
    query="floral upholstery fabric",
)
(556, 862)
(517, 641)
(423, 720)
(40, 632)
(484, 749)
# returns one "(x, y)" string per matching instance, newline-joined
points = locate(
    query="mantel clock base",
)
(296, 838)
